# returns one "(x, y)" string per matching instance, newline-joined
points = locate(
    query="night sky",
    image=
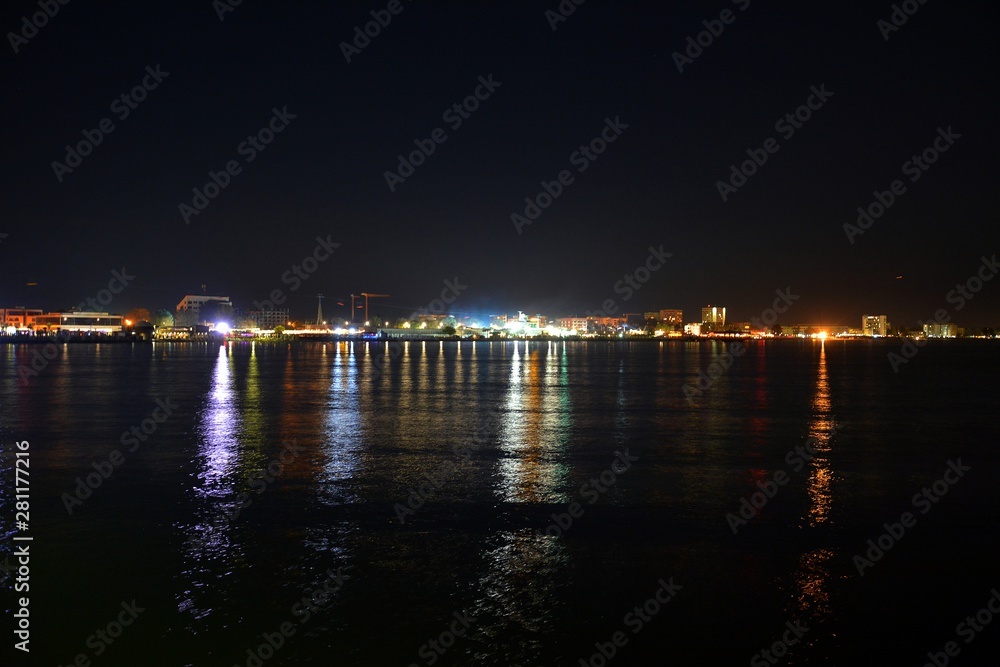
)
(656, 184)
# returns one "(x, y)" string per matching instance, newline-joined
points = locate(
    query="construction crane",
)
(371, 295)
(319, 310)
(353, 309)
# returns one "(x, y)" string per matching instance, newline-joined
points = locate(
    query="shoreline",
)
(93, 340)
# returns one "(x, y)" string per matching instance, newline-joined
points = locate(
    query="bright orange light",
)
(128, 323)
(822, 335)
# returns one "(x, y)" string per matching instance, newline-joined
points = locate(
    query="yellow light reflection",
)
(811, 583)
(821, 429)
(812, 577)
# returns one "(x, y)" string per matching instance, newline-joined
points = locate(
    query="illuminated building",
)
(874, 325)
(713, 318)
(409, 334)
(578, 324)
(938, 330)
(268, 318)
(713, 315)
(604, 325)
(193, 302)
(635, 320)
(77, 321)
(18, 317)
(671, 316)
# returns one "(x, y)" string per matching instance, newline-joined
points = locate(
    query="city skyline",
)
(540, 179)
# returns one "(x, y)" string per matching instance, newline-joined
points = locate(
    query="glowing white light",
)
(222, 328)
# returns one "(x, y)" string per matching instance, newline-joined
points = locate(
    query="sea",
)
(515, 503)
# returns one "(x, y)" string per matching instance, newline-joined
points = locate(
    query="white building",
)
(874, 325)
(714, 317)
(77, 320)
(936, 330)
(193, 302)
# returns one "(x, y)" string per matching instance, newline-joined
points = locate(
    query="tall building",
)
(671, 316)
(937, 330)
(713, 318)
(874, 325)
(265, 318)
(193, 302)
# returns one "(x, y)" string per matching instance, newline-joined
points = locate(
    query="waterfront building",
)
(940, 330)
(674, 316)
(77, 321)
(874, 325)
(18, 317)
(265, 318)
(192, 303)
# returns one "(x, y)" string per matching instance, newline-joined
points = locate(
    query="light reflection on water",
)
(812, 578)
(374, 426)
(533, 435)
(343, 433)
(821, 476)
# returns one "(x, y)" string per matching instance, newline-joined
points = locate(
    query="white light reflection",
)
(210, 537)
(343, 433)
(534, 433)
(218, 436)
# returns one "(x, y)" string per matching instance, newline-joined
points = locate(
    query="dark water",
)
(509, 434)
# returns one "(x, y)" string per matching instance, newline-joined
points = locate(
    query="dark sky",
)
(654, 185)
